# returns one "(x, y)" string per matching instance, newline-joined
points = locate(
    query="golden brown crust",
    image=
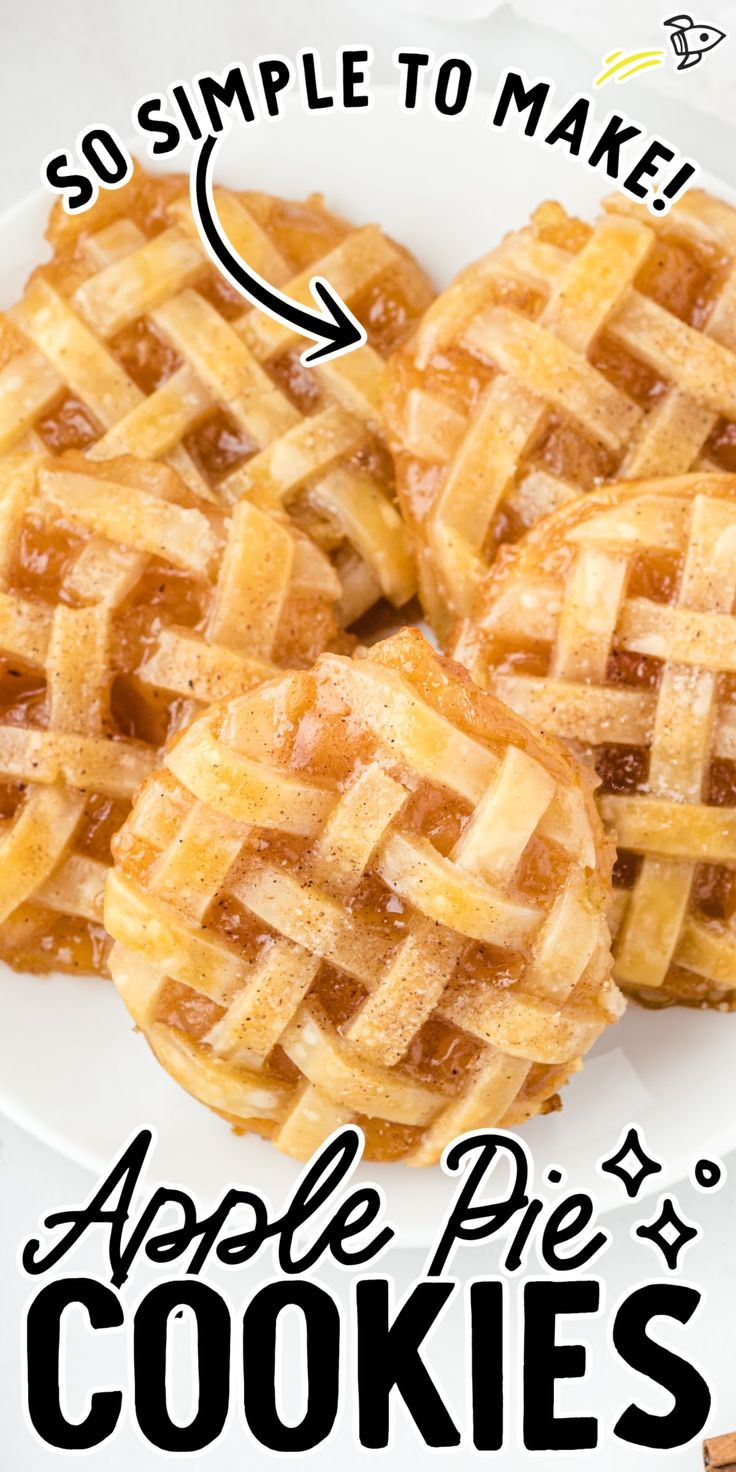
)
(365, 892)
(130, 341)
(568, 356)
(611, 625)
(126, 603)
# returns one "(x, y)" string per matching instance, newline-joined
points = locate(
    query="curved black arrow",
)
(336, 331)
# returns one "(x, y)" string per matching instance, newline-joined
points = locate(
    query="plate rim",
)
(81, 1153)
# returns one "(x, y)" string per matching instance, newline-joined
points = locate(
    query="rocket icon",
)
(689, 40)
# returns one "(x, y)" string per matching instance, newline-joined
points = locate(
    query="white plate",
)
(72, 1070)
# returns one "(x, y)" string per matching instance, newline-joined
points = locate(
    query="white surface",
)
(631, 26)
(67, 66)
(37, 1180)
(636, 1073)
(628, 27)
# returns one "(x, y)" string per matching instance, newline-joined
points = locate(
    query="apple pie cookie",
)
(612, 625)
(366, 892)
(129, 341)
(569, 356)
(125, 603)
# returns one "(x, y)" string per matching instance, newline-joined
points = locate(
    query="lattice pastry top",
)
(569, 356)
(129, 341)
(124, 604)
(612, 625)
(367, 892)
